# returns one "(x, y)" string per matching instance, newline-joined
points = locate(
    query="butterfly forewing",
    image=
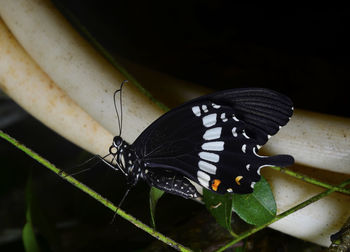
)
(213, 140)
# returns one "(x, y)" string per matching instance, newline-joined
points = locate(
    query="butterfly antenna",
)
(120, 118)
(120, 203)
(116, 110)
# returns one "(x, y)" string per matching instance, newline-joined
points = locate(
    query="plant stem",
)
(310, 180)
(93, 194)
(285, 213)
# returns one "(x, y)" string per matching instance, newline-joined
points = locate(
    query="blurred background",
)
(299, 51)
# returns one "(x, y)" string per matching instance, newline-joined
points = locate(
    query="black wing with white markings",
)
(214, 139)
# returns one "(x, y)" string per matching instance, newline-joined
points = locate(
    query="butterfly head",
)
(125, 159)
(117, 146)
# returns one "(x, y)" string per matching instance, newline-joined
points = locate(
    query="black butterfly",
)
(212, 140)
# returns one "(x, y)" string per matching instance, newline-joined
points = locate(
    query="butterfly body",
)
(135, 168)
(212, 140)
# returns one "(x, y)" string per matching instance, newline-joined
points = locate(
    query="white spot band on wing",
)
(204, 108)
(203, 176)
(212, 134)
(196, 110)
(215, 106)
(205, 166)
(223, 117)
(212, 157)
(213, 146)
(209, 120)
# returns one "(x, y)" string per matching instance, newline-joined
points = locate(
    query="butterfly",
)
(212, 140)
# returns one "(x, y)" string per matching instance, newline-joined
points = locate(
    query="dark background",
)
(302, 52)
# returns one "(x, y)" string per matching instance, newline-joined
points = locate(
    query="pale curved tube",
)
(90, 81)
(75, 66)
(316, 140)
(317, 221)
(23, 80)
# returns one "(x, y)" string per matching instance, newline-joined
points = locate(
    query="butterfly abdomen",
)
(170, 182)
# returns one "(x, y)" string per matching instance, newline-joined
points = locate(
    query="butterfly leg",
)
(171, 182)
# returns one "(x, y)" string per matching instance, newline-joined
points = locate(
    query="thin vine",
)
(311, 180)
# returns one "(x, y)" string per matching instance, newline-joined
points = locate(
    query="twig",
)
(93, 194)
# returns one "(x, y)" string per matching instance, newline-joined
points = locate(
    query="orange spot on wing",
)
(215, 184)
(237, 179)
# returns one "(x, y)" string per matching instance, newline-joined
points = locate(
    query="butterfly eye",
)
(117, 141)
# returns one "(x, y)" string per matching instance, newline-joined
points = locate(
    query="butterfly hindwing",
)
(213, 140)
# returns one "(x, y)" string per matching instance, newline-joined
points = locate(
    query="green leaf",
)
(154, 196)
(29, 241)
(220, 206)
(258, 207)
(28, 235)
